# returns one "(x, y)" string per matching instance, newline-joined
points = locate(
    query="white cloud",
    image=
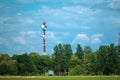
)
(4, 20)
(18, 20)
(81, 38)
(84, 39)
(26, 37)
(87, 1)
(116, 20)
(51, 37)
(20, 40)
(27, 21)
(114, 4)
(53, 24)
(30, 34)
(96, 38)
(69, 16)
(65, 12)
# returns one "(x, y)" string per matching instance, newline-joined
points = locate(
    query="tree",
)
(76, 62)
(79, 53)
(68, 53)
(73, 61)
(118, 52)
(87, 50)
(76, 67)
(107, 56)
(90, 64)
(77, 70)
(102, 57)
(4, 57)
(45, 63)
(7, 66)
(24, 64)
(35, 57)
(88, 60)
(59, 58)
(113, 59)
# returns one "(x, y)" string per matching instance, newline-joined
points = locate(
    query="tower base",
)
(44, 53)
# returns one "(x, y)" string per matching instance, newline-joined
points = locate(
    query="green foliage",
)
(62, 55)
(90, 64)
(7, 66)
(4, 57)
(77, 70)
(24, 64)
(108, 59)
(59, 57)
(68, 53)
(74, 61)
(87, 50)
(104, 61)
(79, 53)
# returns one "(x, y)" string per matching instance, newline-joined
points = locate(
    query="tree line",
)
(104, 61)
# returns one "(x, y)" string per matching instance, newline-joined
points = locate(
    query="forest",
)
(85, 61)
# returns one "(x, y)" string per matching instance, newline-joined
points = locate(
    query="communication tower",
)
(44, 27)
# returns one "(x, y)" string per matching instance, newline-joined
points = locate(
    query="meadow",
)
(59, 77)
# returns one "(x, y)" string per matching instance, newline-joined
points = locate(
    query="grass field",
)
(59, 77)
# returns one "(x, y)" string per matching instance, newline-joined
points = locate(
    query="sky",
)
(87, 22)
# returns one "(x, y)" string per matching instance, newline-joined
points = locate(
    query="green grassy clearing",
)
(59, 77)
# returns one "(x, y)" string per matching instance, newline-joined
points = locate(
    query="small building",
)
(50, 72)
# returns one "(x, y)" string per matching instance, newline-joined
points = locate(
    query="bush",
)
(77, 70)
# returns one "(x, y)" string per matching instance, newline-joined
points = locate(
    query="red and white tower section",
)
(44, 27)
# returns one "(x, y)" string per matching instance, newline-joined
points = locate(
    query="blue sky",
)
(88, 22)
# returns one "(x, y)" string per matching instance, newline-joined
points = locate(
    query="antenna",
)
(44, 37)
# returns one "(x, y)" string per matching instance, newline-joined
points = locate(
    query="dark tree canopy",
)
(104, 61)
(79, 52)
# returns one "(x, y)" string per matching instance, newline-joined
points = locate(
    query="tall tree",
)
(73, 61)
(102, 55)
(68, 53)
(77, 67)
(113, 58)
(107, 56)
(79, 53)
(90, 64)
(59, 57)
(35, 57)
(87, 50)
(118, 52)
(46, 62)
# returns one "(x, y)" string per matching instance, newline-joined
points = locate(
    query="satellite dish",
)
(44, 26)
